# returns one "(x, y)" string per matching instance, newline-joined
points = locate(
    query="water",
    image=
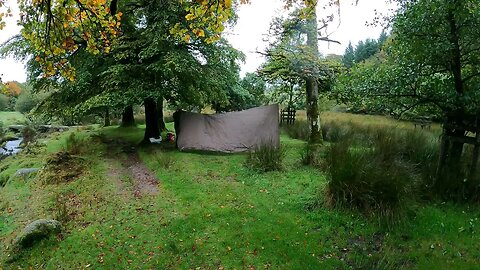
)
(11, 147)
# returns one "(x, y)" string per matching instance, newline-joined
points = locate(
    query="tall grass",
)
(359, 178)
(299, 130)
(266, 157)
(75, 144)
(313, 155)
(378, 171)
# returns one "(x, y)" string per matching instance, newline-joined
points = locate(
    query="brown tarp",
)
(228, 132)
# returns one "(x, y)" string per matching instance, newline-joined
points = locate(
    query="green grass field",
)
(210, 212)
(11, 118)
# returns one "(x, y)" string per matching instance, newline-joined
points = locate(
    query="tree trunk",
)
(106, 119)
(290, 96)
(151, 121)
(449, 167)
(128, 120)
(313, 114)
(161, 120)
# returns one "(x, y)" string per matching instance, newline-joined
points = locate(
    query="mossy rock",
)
(36, 231)
(24, 172)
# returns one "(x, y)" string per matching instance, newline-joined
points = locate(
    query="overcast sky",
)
(11, 70)
(350, 26)
(248, 34)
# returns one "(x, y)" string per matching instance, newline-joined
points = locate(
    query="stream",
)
(11, 147)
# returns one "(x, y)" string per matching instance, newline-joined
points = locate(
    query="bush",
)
(299, 130)
(377, 171)
(266, 157)
(74, 145)
(4, 103)
(312, 155)
(361, 179)
(28, 134)
(26, 101)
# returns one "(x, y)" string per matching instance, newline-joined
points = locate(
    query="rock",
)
(16, 128)
(35, 231)
(26, 171)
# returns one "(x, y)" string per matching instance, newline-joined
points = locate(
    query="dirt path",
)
(143, 179)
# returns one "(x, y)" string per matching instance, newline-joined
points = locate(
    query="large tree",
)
(293, 58)
(57, 29)
(431, 65)
(146, 65)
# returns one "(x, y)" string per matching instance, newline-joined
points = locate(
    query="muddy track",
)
(143, 179)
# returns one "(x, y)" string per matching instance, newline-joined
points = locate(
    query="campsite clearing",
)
(210, 212)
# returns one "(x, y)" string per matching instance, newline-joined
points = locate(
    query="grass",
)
(212, 213)
(266, 157)
(367, 120)
(12, 118)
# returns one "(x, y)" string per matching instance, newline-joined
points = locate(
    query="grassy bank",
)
(12, 118)
(211, 212)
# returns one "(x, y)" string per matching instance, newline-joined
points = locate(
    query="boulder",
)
(16, 128)
(26, 172)
(35, 231)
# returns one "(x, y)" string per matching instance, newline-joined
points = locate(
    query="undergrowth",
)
(62, 167)
(266, 157)
(361, 179)
(299, 130)
(75, 144)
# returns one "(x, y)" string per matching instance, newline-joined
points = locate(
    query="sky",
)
(11, 70)
(249, 32)
(350, 26)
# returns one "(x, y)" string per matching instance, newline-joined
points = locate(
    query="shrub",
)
(266, 157)
(312, 156)
(299, 130)
(4, 102)
(74, 144)
(362, 180)
(413, 153)
(26, 101)
(28, 134)
(375, 170)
